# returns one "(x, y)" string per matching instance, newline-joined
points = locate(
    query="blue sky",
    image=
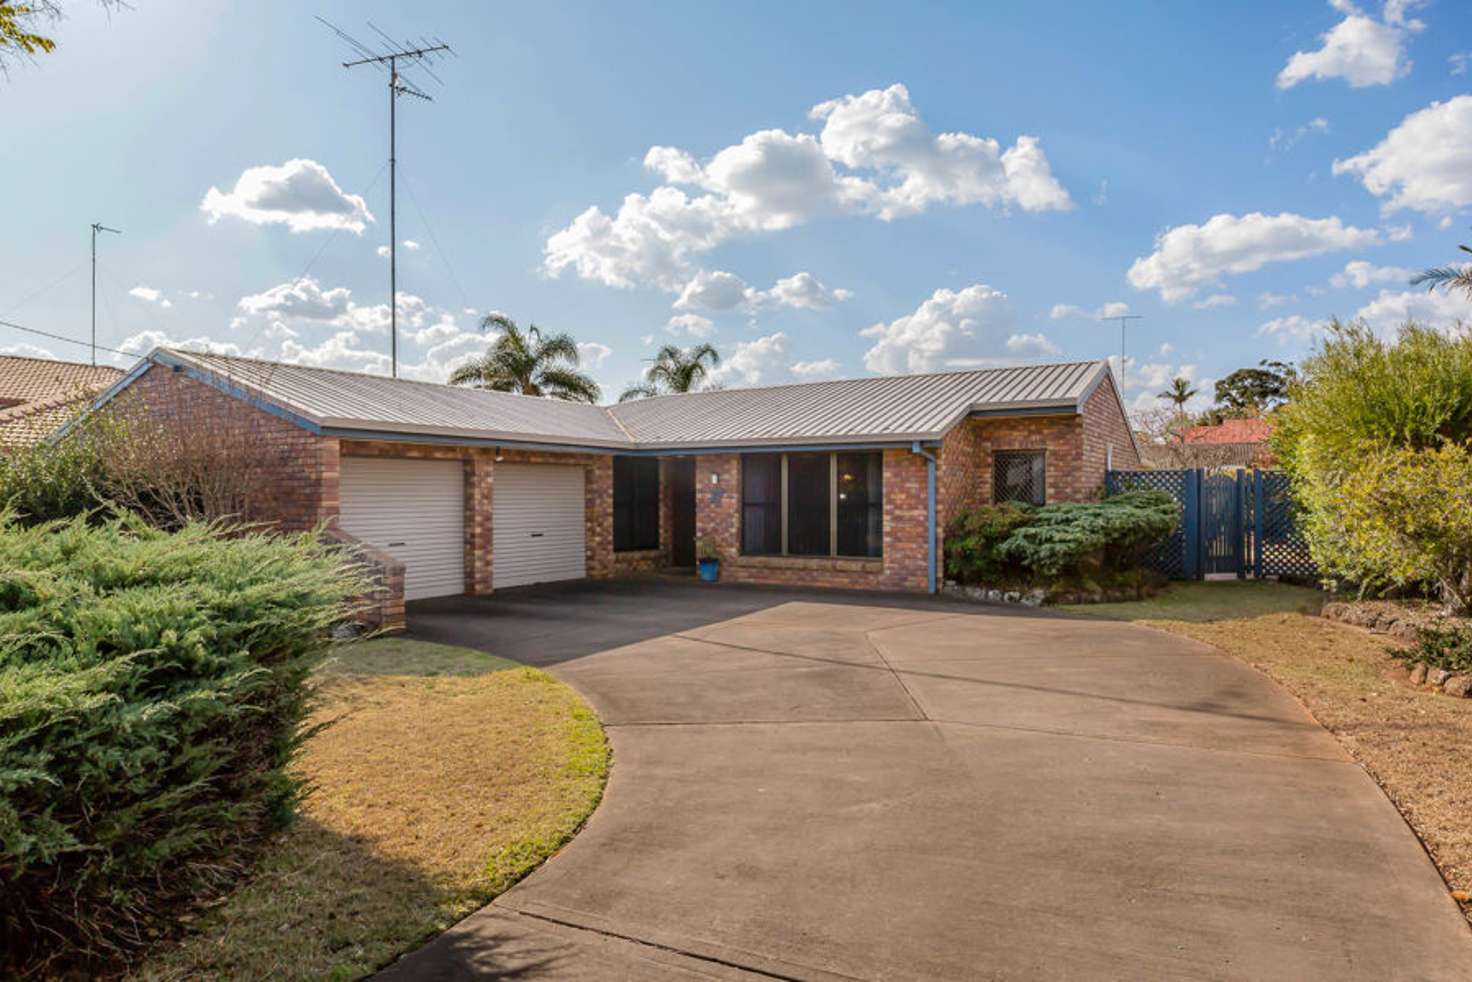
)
(816, 189)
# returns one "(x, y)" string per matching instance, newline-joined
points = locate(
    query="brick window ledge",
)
(816, 564)
(654, 553)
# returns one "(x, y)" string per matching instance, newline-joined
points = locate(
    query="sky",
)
(817, 190)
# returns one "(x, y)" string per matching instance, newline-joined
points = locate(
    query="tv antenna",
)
(394, 58)
(95, 229)
(1123, 320)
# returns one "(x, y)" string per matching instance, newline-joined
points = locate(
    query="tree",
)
(675, 370)
(528, 362)
(1252, 391)
(1377, 442)
(22, 24)
(1451, 277)
(1179, 393)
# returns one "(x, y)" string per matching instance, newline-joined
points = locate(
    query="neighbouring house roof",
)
(39, 394)
(1231, 431)
(880, 410)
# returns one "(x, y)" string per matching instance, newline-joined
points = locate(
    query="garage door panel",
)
(414, 510)
(538, 526)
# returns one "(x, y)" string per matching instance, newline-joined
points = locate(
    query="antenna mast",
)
(1123, 320)
(416, 55)
(95, 229)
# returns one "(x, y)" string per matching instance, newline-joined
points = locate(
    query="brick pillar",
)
(718, 504)
(598, 490)
(478, 491)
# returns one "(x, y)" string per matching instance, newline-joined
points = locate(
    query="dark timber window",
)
(812, 504)
(635, 503)
(761, 504)
(1019, 475)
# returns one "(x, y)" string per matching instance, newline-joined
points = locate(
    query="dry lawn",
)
(1417, 743)
(445, 776)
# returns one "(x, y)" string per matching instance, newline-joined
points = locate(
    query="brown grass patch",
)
(1417, 743)
(445, 776)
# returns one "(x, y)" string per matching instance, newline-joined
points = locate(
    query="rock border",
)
(1456, 684)
(1038, 597)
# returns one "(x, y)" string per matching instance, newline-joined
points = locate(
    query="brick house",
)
(845, 483)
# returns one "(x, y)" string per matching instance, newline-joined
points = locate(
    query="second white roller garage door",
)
(537, 532)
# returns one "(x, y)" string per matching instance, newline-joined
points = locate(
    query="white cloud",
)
(382, 252)
(772, 180)
(1166, 347)
(1285, 140)
(1390, 309)
(23, 350)
(948, 327)
(1424, 164)
(1143, 383)
(808, 370)
(145, 341)
(304, 298)
(299, 194)
(151, 295)
(751, 362)
(1214, 301)
(1458, 62)
(1064, 311)
(690, 325)
(593, 354)
(1294, 327)
(1268, 300)
(410, 244)
(1359, 49)
(1360, 273)
(1031, 345)
(719, 290)
(1398, 233)
(1189, 257)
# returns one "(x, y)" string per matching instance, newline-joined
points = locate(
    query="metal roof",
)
(889, 409)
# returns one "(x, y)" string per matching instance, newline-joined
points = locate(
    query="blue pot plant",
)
(708, 558)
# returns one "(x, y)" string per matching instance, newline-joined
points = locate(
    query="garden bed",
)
(1397, 618)
(445, 776)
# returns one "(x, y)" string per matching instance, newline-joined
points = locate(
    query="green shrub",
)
(1440, 647)
(1078, 538)
(152, 691)
(43, 482)
(974, 538)
(1375, 442)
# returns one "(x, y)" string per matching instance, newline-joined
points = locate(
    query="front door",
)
(682, 511)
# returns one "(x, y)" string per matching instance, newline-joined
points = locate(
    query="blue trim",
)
(394, 436)
(1258, 521)
(916, 449)
(1063, 409)
(1191, 503)
(106, 396)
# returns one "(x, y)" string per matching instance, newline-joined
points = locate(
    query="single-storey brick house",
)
(842, 483)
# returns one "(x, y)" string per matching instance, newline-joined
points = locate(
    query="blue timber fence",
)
(1240, 523)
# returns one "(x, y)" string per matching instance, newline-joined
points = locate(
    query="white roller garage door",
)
(537, 531)
(414, 510)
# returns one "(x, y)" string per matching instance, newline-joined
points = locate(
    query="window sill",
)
(823, 564)
(637, 553)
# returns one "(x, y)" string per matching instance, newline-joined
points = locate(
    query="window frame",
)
(1031, 454)
(784, 504)
(641, 493)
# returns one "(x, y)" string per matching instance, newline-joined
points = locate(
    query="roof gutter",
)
(930, 462)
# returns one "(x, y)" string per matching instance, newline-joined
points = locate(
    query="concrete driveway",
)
(830, 786)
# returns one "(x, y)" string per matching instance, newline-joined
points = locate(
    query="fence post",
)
(1192, 508)
(1257, 522)
(1239, 527)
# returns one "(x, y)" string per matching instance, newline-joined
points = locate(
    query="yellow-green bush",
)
(152, 690)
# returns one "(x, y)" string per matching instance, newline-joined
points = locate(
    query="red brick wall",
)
(306, 493)
(903, 567)
(1106, 430)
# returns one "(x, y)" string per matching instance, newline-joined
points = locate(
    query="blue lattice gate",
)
(1240, 523)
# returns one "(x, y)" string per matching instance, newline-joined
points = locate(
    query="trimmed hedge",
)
(1017, 544)
(153, 687)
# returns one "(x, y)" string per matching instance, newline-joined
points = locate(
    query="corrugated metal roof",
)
(897, 408)
(353, 400)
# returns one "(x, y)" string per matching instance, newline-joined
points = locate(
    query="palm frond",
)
(638, 392)
(565, 383)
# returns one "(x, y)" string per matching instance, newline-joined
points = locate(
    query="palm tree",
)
(528, 362)
(1451, 277)
(675, 370)
(1180, 392)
